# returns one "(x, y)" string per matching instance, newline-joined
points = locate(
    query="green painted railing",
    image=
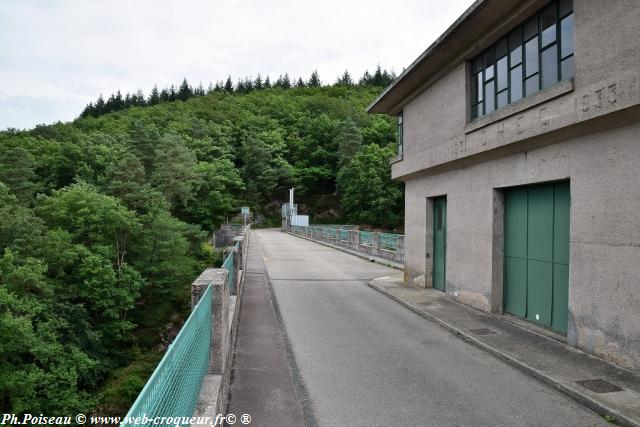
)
(366, 238)
(228, 265)
(389, 241)
(173, 389)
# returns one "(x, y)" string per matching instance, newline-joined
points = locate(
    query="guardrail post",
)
(354, 240)
(217, 277)
(375, 244)
(400, 249)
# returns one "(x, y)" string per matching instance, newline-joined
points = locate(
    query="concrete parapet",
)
(225, 312)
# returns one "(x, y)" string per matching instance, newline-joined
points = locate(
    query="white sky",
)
(57, 55)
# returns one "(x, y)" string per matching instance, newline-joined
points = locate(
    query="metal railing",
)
(229, 266)
(174, 386)
(366, 238)
(388, 241)
(385, 245)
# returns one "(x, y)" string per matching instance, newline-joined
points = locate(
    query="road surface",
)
(357, 358)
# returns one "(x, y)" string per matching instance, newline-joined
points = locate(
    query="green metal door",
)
(536, 248)
(439, 242)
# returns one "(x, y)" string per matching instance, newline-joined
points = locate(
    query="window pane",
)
(550, 66)
(476, 64)
(531, 28)
(516, 83)
(532, 84)
(479, 86)
(489, 73)
(488, 64)
(501, 48)
(489, 92)
(565, 6)
(503, 99)
(531, 56)
(476, 110)
(502, 77)
(566, 36)
(548, 25)
(515, 46)
(567, 68)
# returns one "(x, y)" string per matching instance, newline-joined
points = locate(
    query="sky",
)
(58, 55)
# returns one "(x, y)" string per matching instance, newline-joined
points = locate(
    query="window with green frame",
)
(400, 141)
(533, 56)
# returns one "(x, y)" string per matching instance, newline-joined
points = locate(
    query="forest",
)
(104, 221)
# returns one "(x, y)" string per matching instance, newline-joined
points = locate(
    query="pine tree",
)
(164, 95)
(348, 140)
(345, 79)
(184, 91)
(387, 78)
(89, 110)
(211, 88)
(314, 80)
(267, 83)
(377, 77)
(109, 106)
(199, 91)
(219, 87)
(365, 79)
(228, 86)
(300, 83)
(172, 93)
(240, 86)
(248, 85)
(139, 100)
(128, 101)
(118, 102)
(99, 107)
(286, 82)
(154, 96)
(257, 84)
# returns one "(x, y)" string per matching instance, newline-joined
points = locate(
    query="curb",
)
(575, 394)
(377, 260)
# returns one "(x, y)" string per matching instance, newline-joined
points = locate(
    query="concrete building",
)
(519, 143)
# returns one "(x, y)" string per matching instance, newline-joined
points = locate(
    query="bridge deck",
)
(351, 356)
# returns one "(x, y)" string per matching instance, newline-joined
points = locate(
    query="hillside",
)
(102, 223)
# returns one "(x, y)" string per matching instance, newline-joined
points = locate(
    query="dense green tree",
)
(199, 91)
(17, 172)
(368, 196)
(345, 79)
(184, 91)
(314, 80)
(173, 172)
(216, 193)
(258, 82)
(154, 96)
(101, 219)
(228, 86)
(348, 140)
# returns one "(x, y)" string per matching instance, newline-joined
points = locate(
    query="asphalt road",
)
(364, 360)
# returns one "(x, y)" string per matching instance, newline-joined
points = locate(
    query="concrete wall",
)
(585, 130)
(604, 234)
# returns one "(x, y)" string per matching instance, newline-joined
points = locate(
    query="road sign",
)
(244, 210)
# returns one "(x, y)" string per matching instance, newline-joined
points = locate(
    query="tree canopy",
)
(103, 221)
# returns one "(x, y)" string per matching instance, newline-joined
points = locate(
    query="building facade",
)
(519, 143)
